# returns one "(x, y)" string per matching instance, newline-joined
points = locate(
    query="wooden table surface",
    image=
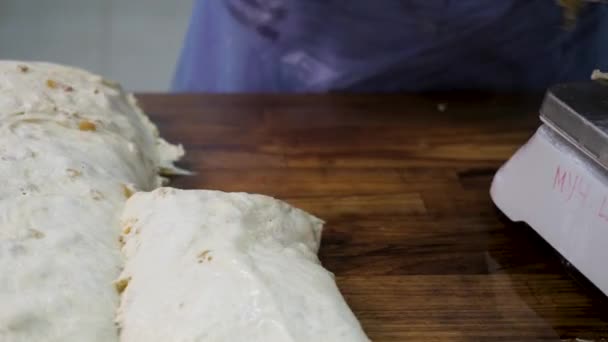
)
(419, 251)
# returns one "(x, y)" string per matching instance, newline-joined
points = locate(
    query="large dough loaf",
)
(214, 266)
(72, 149)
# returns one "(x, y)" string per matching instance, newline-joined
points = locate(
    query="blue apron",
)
(387, 45)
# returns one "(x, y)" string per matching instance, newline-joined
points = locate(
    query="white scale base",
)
(563, 195)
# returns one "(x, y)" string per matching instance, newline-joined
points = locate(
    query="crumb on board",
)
(86, 125)
(599, 75)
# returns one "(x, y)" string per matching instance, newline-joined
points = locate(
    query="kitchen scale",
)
(558, 181)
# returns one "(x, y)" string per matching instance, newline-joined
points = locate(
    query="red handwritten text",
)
(571, 185)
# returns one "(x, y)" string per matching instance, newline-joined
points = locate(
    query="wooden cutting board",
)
(418, 249)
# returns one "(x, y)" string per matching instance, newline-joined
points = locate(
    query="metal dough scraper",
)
(558, 181)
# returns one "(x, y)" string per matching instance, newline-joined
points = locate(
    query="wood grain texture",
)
(417, 246)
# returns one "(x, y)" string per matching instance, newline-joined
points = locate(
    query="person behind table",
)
(390, 45)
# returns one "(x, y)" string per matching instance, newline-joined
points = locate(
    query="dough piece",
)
(599, 75)
(214, 266)
(73, 147)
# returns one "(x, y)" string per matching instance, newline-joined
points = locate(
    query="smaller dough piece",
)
(599, 75)
(213, 266)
